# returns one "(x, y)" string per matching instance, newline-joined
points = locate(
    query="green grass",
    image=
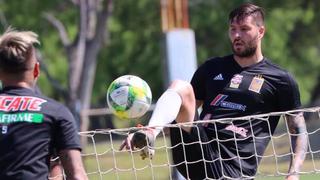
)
(114, 164)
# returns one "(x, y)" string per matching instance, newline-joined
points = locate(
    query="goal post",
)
(104, 160)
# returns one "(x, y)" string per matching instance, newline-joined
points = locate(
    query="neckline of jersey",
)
(251, 66)
(6, 88)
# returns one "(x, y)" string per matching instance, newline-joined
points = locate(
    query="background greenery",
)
(134, 43)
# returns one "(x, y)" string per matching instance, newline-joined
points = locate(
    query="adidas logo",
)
(218, 77)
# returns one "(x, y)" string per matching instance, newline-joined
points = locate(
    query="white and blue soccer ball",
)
(129, 97)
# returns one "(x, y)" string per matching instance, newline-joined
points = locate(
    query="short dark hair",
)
(246, 10)
(16, 48)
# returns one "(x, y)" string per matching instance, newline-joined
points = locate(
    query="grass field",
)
(109, 163)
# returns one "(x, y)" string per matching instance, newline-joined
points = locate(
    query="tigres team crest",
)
(256, 84)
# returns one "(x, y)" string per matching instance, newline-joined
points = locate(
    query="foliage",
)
(134, 46)
(135, 38)
(28, 15)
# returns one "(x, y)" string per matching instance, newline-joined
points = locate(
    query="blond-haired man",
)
(32, 126)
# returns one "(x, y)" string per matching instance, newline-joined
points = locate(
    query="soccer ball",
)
(129, 97)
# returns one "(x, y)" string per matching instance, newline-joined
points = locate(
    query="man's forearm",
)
(299, 140)
(72, 164)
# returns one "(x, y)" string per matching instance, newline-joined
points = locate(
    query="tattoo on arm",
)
(299, 139)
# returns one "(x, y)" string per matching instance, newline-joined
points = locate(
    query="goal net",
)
(104, 160)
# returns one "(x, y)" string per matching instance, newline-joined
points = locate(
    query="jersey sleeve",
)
(66, 135)
(288, 94)
(198, 82)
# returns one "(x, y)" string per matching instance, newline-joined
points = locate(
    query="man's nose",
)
(237, 34)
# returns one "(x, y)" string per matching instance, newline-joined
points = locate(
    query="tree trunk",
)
(82, 53)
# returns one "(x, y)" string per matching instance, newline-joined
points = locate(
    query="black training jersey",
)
(228, 90)
(31, 127)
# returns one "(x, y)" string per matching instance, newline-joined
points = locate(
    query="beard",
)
(248, 51)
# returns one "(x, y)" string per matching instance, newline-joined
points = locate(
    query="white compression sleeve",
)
(166, 110)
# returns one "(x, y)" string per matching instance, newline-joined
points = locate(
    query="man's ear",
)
(36, 70)
(261, 31)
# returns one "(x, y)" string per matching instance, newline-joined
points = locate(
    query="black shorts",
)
(197, 158)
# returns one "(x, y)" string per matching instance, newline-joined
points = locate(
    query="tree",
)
(82, 52)
(133, 45)
(133, 42)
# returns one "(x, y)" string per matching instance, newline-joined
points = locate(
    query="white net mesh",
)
(104, 160)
